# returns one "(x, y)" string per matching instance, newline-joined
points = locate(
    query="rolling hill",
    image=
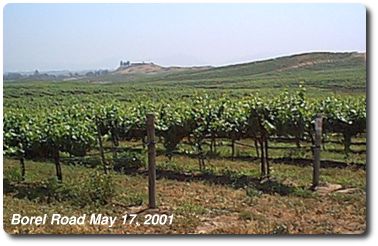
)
(333, 72)
(318, 69)
(151, 68)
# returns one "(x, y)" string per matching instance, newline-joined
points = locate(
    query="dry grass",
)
(200, 206)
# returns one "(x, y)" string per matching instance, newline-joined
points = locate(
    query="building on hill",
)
(127, 64)
(123, 64)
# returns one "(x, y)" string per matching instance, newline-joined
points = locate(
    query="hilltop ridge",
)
(327, 70)
(310, 61)
(148, 68)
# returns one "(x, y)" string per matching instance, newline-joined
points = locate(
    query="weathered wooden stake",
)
(22, 165)
(151, 160)
(267, 159)
(263, 163)
(257, 148)
(232, 149)
(318, 140)
(58, 166)
(101, 148)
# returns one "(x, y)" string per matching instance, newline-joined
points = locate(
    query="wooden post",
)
(101, 148)
(22, 164)
(257, 148)
(151, 160)
(318, 140)
(267, 158)
(57, 165)
(263, 170)
(232, 148)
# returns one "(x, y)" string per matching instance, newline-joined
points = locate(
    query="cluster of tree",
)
(97, 73)
(34, 76)
(46, 76)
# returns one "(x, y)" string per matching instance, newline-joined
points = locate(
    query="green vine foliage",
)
(73, 129)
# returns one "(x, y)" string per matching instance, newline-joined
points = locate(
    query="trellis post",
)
(150, 124)
(316, 147)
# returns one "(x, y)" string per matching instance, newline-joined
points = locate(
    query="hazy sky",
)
(93, 36)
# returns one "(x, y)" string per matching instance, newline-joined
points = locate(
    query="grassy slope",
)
(322, 73)
(321, 70)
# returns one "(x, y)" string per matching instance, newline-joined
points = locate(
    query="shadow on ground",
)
(31, 191)
(267, 186)
(301, 162)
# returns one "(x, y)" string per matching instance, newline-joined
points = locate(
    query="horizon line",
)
(188, 66)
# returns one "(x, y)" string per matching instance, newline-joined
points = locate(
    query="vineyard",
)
(234, 148)
(78, 129)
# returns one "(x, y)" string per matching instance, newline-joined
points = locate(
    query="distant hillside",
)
(319, 69)
(148, 68)
(320, 61)
(334, 72)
